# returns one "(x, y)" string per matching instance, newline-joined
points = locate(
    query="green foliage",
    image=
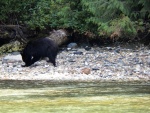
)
(111, 15)
(102, 17)
(12, 11)
(39, 14)
(69, 14)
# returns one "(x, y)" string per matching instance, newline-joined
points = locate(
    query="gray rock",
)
(71, 60)
(78, 52)
(72, 45)
(148, 61)
(87, 48)
(95, 68)
(12, 58)
(15, 53)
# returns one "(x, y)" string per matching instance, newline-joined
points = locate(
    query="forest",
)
(115, 20)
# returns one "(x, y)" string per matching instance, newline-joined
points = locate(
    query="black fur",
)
(37, 49)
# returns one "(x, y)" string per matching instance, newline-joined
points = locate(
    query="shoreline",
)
(106, 64)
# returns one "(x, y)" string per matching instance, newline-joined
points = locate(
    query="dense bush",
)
(114, 16)
(107, 18)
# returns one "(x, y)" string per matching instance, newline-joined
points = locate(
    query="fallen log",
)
(59, 36)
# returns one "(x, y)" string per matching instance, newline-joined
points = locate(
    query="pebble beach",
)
(97, 64)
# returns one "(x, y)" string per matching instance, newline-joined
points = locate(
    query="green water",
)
(50, 97)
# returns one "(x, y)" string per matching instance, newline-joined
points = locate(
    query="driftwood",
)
(20, 33)
(59, 36)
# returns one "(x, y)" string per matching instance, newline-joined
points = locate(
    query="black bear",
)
(37, 49)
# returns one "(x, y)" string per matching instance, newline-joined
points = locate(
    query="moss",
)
(11, 47)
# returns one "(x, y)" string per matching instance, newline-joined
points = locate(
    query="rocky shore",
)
(95, 64)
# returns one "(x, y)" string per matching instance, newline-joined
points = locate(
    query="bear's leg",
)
(52, 60)
(51, 54)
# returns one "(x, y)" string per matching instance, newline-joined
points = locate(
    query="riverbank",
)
(97, 64)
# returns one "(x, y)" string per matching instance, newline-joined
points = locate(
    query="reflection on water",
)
(71, 97)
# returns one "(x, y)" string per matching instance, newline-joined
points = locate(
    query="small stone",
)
(148, 61)
(109, 48)
(117, 50)
(15, 53)
(95, 69)
(72, 45)
(68, 49)
(78, 53)
(138, 68)
(71, 60)
(86, 63)
(86, 71)
(87, 48)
